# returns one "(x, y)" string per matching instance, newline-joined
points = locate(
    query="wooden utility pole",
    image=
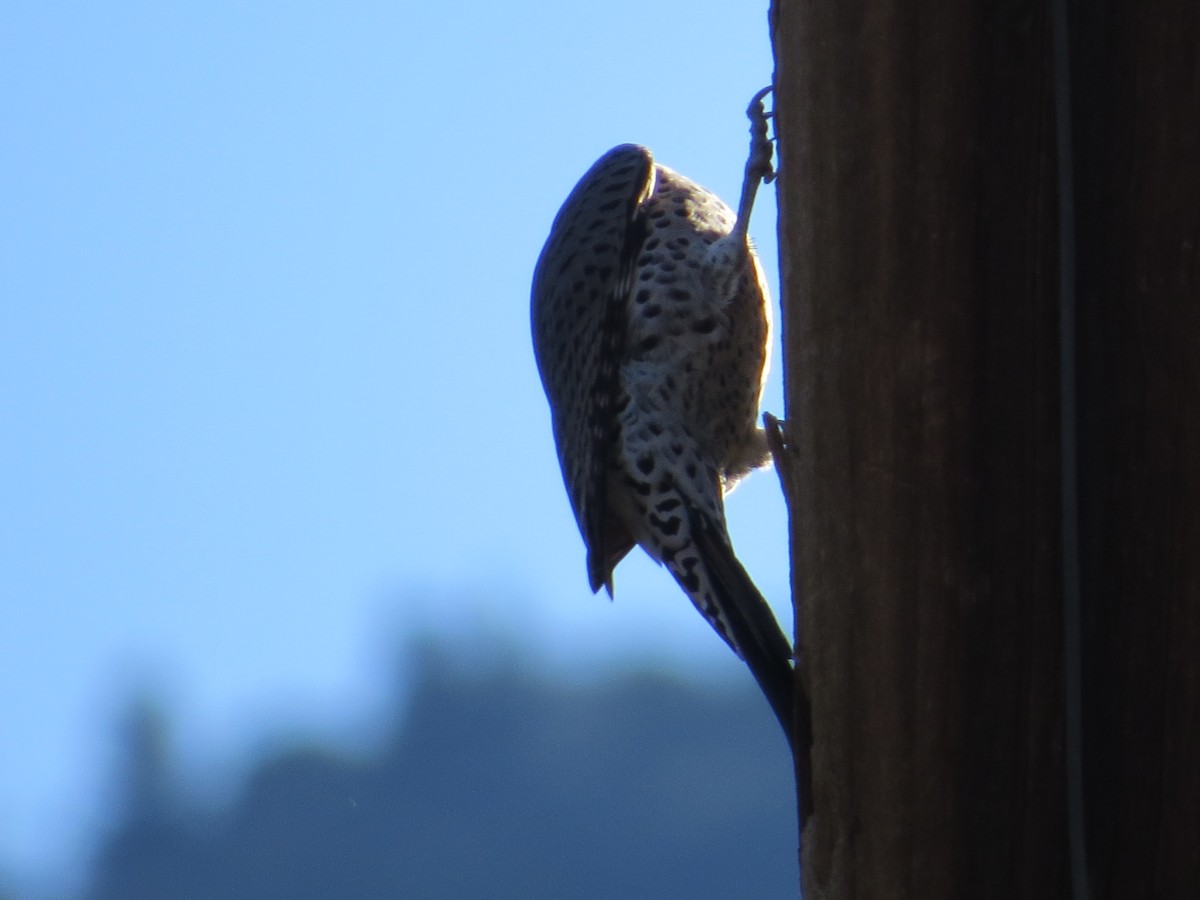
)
(920, 252)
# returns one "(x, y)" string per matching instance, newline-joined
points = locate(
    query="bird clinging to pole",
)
(651, 330)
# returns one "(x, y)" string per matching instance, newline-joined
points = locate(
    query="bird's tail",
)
(756, 636)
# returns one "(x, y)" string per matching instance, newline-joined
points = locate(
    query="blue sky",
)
(268, 398)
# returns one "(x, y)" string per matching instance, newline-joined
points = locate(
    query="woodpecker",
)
(651, 330)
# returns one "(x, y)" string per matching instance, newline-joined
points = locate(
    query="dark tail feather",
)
(767, 652)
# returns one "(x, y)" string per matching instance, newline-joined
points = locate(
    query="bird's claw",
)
(759, 164)
(756, 110)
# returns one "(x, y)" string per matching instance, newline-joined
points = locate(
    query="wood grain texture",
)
(919, 255)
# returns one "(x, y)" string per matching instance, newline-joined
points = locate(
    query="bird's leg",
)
(729, 257)
(758, 165)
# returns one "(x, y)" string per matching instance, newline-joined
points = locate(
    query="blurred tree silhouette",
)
(503, 787)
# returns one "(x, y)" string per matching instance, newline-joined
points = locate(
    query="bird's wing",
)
(579, 307)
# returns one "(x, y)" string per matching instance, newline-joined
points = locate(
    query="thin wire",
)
(1069, 469)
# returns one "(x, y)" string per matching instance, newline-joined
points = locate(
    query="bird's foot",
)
(758, 166)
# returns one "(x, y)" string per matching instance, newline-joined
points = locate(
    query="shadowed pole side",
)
(918, 246)
(917, 239)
